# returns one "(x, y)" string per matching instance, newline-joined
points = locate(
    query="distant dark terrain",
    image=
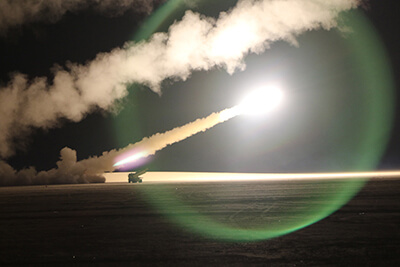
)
(116, 224)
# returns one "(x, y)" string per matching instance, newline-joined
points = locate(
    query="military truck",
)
(134, 177)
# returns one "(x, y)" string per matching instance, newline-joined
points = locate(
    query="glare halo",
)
(261, 100)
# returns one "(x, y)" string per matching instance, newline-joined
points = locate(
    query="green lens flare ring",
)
(368, 55)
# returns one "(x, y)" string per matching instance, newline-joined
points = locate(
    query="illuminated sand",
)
(172, 177)
(115, 224)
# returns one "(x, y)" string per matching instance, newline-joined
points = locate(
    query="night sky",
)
(318, 127)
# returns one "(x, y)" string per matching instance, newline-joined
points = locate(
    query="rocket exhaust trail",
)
(258, 101)
(150, 145)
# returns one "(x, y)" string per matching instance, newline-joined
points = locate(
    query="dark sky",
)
(318, 127)
(383, 16)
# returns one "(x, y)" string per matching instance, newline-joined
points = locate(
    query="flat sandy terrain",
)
(125, 224)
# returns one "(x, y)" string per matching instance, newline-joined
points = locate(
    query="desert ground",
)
(116, 224)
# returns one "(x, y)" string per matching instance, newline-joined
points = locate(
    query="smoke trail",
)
(194, 43)
(70, 171)
(18, 12)
(150, 145)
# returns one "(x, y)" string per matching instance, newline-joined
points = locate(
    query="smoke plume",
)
(195, 43)
(14, 13)
(68, 171)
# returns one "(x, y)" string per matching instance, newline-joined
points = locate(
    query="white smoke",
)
(68, 171)
(18, 12)
(194, 43)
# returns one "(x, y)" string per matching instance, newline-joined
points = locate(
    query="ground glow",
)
(265, 205)
(197, 177)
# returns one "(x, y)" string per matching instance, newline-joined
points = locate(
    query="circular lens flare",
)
(261, 100)
(372, 70)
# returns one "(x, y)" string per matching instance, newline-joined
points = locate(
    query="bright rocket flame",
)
(134, 157)
(261, 101)
(256, 102)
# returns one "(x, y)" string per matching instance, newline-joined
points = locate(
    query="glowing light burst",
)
(261, 100)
